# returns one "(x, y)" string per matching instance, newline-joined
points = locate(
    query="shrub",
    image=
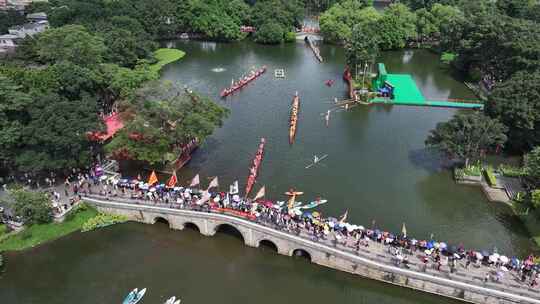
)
(290, 37)
(79, 208)
(511, 171)
(491, 179)
(102, 220)
(26, 235)
(535, 198)
(473, 170)
(447, 58)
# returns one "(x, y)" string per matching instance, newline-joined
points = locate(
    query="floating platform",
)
(406, 92)
(279, 73)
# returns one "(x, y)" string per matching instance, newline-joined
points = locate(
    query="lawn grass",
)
(164, 57)
(38, 234)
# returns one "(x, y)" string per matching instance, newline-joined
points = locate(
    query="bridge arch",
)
(191, 226)
(302, 253)
(230, 229)
(266, 243)
(161, 219)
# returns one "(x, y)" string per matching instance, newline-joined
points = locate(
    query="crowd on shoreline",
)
(431, 253)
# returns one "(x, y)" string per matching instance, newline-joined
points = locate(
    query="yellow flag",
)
(153, 178)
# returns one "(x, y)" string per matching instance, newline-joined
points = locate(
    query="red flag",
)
(172, 181)
(153, 178)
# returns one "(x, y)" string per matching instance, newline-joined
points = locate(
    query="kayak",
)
(134, 296)
(131, 295)
(172, 300)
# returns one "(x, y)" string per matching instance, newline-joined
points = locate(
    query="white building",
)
(29, 29)
(8, 41)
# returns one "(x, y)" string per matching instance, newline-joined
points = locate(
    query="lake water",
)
(377, 168)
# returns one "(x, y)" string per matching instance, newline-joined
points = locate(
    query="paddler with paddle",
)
(292, 198)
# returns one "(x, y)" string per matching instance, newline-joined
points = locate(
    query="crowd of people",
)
(438, 255)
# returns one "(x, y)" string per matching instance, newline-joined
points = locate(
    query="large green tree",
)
(397, 25)
(363, 47)
(337, 23)
(532, 165)
(269, 33)
(467, 136)
(71, 43)
(32, 207)
(516, 103)
(160, 119)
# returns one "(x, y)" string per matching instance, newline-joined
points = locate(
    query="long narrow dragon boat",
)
(294, 118)
(235, 86)
(254, 170)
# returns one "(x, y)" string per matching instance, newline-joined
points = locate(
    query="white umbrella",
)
(349, 227)
(152, 189)
(494, 257)
(479, 255)
(360, 227)
(236, 198)
(504, 259)
(504, 268)
(427, 251)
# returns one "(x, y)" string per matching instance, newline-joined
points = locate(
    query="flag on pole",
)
(172, 181)
(213, 184)
(344, 217)
(260, 194)
(153, 178)
(195, 181)
(226, 201)
(233, 189)
(404, 230)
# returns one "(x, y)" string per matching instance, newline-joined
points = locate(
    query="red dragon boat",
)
(242, 82)
(254, 170)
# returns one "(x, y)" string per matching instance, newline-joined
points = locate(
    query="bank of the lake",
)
(165, 56)
(39, 234)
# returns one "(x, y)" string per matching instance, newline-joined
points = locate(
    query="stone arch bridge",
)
(375, 267)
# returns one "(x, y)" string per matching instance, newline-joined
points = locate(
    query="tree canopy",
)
(516, 102)
(160, 119)
(72, 43)
(32, 207)
(337, 22)
(532, 165)
(467, 137)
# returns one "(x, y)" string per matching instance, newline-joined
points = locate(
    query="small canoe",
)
(131, 295)
(134, 297)
(314, 204)
(172, 300)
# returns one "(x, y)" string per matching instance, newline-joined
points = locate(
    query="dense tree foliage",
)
(467, 136)
(162, 118)
(397, 25)
(9, 18)
(516, 103)
(270, 33)
(337, 23)
(71, 43)
(32, 207)
(363, 47)
(532, 165)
